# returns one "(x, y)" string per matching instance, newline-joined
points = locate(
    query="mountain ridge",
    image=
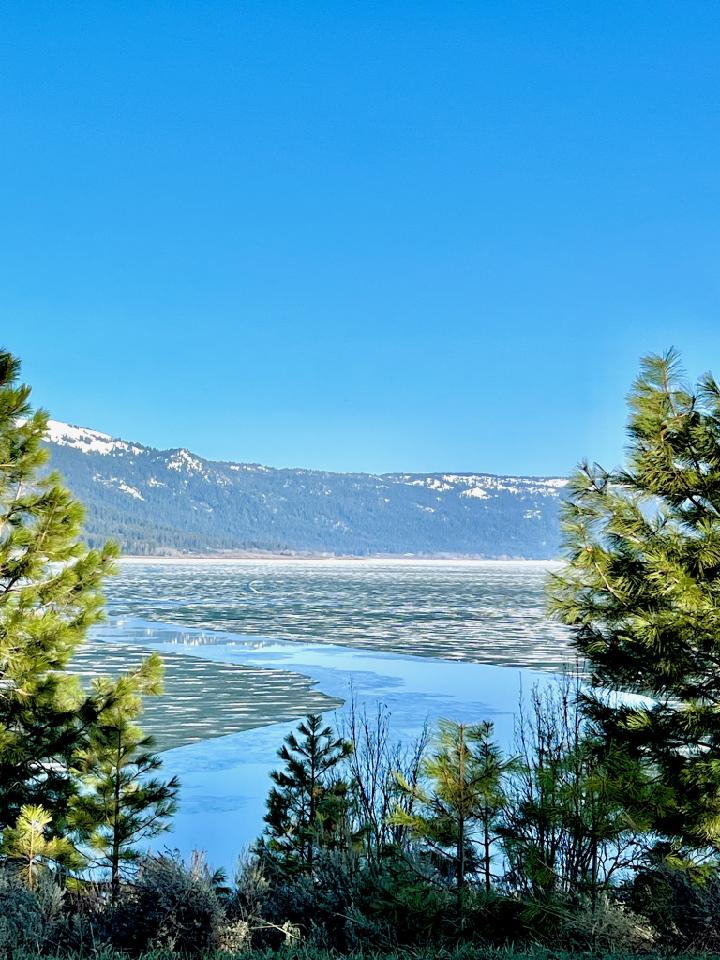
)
(159, 502)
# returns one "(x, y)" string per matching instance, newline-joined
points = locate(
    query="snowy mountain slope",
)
(165, 501)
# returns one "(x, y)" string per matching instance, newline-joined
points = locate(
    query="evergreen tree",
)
(50, 594)
(306, 807)
(28, 846)
(465, 776)
(122, 803)
(492, 773)
(641, 591)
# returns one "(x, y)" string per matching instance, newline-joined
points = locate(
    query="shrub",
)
(234, 937)
(396, 905)
(170, 907)
(683, 909)
(21, 916)
(77, 918)
(249, 896)
(313, 908)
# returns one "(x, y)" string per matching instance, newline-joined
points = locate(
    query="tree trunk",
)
(486, 830)
(115, 850)
(461, 827)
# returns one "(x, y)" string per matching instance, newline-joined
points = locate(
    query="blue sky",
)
(372, 236)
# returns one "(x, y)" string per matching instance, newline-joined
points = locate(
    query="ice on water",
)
(250, 646)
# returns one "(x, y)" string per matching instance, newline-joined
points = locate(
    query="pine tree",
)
(50, 594)
(306, 807)
(122, 803)
(493, 771)
(28, 846)
(463, 792)
(641, 591)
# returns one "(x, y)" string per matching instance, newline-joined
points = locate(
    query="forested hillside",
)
(165, 501)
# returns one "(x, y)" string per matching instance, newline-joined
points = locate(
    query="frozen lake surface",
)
(251, 646)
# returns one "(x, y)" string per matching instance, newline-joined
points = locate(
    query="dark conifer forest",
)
(172, 502)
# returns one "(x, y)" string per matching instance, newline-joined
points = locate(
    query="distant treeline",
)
(154, 502)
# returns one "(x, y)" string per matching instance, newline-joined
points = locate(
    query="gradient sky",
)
(372, 236)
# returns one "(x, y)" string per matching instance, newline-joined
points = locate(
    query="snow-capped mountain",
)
(170, 501)
(89, 441)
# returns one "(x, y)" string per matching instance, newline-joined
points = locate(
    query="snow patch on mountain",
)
(183, 460)
(479, 493)
(130, 491)
(119, 484)
(483, 486)
(89, 441)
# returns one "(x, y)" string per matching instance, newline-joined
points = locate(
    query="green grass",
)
(467, 952)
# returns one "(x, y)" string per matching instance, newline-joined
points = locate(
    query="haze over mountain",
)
(168, 502)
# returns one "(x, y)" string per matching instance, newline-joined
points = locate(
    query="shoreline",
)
(321, 559)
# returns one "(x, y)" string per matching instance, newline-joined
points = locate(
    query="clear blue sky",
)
(374, 236)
